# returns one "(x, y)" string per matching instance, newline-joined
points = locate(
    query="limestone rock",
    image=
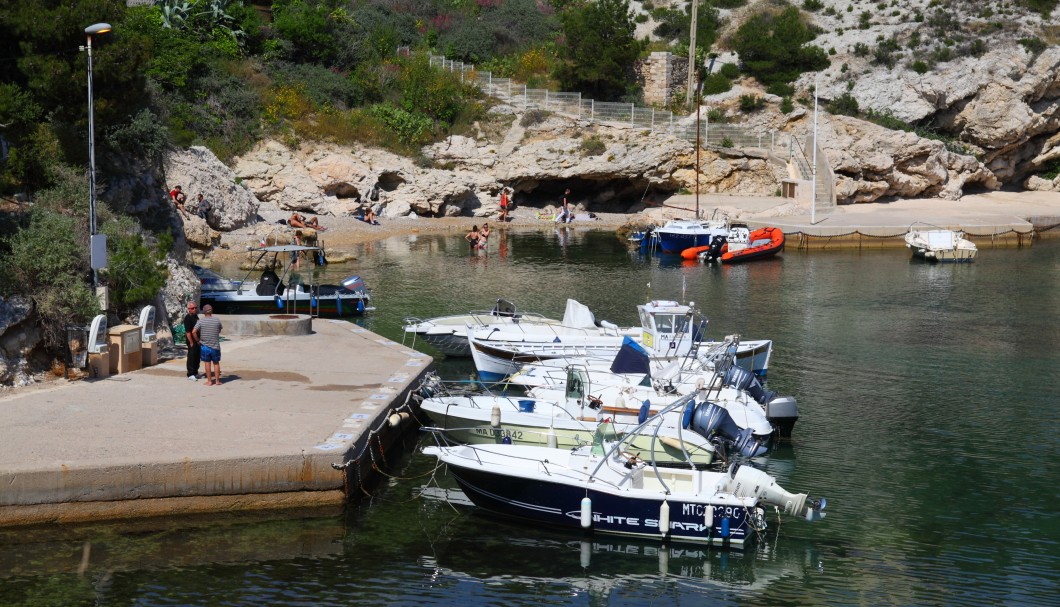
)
(199, 171)
(198, 233)
(872, 162)
(19, 336)
(181, 287)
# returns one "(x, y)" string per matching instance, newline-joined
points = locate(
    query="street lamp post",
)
(97, 242)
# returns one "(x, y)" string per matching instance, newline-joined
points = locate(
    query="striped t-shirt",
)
(209, 329)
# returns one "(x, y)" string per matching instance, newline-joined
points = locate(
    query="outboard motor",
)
(747, 481)
(710, 420)
(742, 379)
(714, 252)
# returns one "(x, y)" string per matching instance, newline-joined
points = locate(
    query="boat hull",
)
(559, 505)
(326, 307)
(945, 246)
(474, 426)
(494, 362)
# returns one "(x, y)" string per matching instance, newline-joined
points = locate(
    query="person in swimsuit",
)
(473, 237)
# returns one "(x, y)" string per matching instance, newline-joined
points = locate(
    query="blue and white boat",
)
(680, 234)
(604, 488)
(668, 330)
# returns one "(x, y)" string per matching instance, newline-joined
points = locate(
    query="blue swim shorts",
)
(210, 355)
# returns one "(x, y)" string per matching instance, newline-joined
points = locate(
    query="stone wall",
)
(663, 76)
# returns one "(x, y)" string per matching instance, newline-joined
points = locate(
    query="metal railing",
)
(655, 120)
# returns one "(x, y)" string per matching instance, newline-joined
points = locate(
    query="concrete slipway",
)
(152, 442)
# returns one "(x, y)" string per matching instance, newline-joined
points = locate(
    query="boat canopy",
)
(578, 315)
(631, 358)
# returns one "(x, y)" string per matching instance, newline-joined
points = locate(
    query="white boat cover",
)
(578, 315)
(940, 239)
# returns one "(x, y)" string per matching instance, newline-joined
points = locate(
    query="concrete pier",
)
(293, 405)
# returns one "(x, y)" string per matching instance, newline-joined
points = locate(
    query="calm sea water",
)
(929, 403)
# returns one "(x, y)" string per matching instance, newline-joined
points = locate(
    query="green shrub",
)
(46, 260)
(1050, 171)
(861, 49)
(592, 146)
(887, 120)
(729, 3)
(729, 70)
(780, 89)
(727, 143)
(812, 5)
(751, 103)
(774, 47)
(144, 137)
(716, 116)
(641, 18)
(135, 271)
(715, 84)
(307, 29)
(844, 104)
(919, 67)
(322, 86)
(976, 48)
(1034, 46)
(410, 127)
(786, 106)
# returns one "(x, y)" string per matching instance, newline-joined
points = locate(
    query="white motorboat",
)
(940, 245)
(605, 488)
(711, 376)
(286, 292)
(668, 330)
(448, 334)
(490, 419)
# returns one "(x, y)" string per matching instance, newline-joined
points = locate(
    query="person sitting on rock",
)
(369, 217)
(202, 207)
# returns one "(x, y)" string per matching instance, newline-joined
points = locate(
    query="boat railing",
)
(652, 424)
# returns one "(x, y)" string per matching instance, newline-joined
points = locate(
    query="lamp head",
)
(98, 28)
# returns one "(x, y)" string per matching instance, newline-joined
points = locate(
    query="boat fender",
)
(507, 440)
(313, 302)
(708, 517)
(664, 518)
(279, 302)
(587, 512)
(551, 439)
(495, 416)
(645, 408)
(725, 527)
(396, 419)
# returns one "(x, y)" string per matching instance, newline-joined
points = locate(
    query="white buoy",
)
(551, 439)
(396, 419)
(708, 517)
(664, 518)
(587, 512)
(495, 416)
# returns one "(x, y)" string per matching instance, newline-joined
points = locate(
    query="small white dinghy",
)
(940, 245)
